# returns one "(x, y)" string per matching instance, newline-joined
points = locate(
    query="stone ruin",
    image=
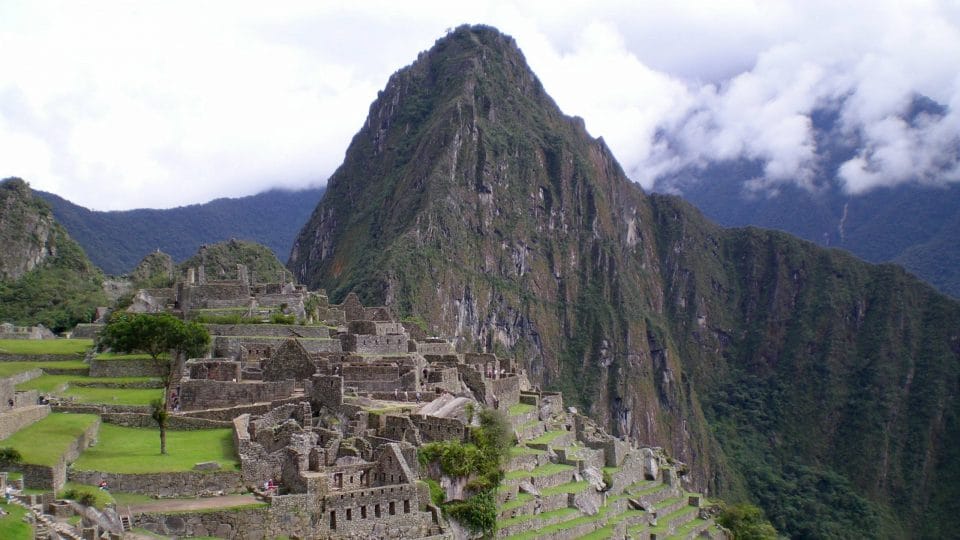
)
(194, 295)
(327, 421)
(10, 331)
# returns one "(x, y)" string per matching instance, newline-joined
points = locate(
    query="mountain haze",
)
(811, 382)
(912, 225)
(116, 241)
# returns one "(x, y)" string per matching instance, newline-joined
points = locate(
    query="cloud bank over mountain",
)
(166, 104)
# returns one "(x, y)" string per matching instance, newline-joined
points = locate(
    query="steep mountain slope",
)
(44, 275)
(805, 379)
(117, 241)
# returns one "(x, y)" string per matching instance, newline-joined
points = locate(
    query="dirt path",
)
(181, 505)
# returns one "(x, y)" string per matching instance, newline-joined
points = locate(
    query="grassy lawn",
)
(119, 356)
(559, 513)
(543, 470)
(524, 451)
(137, 450)
(12, 368)
(520, 408)
(114, 396)
(45, 441)
(51, 383)
(45, 346)
(548, 437)
(572, 487)
(12, 526)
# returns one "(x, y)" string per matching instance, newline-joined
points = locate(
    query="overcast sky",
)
(118, 105)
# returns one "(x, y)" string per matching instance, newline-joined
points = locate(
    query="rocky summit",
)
(803, 379)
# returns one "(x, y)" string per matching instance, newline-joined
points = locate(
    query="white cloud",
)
(159, 104)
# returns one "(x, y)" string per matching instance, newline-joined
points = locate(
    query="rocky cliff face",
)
(469, 198)
(27, 228)
(44, 275)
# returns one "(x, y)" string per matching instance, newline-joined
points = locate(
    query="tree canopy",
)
(154, 334)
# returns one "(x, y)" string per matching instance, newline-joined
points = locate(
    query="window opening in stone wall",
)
(406, 506)
(393, 508)
(363, 512)
(349, 516)
(376, 510)
(333, 519)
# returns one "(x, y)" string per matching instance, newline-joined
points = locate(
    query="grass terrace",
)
(12, 368)
(543, 470)
(45, 346)
(112, 396)
(12, 526)
(57, 431)
(520, 408)
(53, 383)
(524, 451)
(124, 356)
(548, 437)
(137, 450)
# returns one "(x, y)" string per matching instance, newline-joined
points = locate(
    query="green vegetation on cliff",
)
(801, 379)
(116, 241)
(46, 277)
(220, 261)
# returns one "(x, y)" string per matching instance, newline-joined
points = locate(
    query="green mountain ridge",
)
(809, 381)
(116, 241)
(45, 277)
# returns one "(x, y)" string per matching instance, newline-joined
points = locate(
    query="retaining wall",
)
(125, 368)
(168, 484)
(14, 420)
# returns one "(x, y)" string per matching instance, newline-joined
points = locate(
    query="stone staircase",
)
(45, 527)
(545, 494)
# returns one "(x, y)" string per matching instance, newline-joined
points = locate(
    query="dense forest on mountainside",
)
(912, 225)
(116, 241)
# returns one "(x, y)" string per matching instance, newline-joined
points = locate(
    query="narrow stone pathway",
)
(181, 505)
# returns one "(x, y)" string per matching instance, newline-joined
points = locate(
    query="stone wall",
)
(169, 484)
(214, 369)
(175, 422)
(9, 357)
(87, 330)
(146, 367)
(230, 346)
(14, 420)
(392, 344)
(325, 391)
(445, 347)
(434, 428)
(289, 361)
(206, 394)
(507, 390)
(270, 330)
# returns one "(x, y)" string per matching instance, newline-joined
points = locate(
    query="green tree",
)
(747, 522)
(158, 335)
(9, 456)
(160, 414)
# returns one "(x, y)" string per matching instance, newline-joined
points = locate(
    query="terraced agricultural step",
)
(544, 476)
(526, 522)
(668, 524)
(692, 529)
(654, 495)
